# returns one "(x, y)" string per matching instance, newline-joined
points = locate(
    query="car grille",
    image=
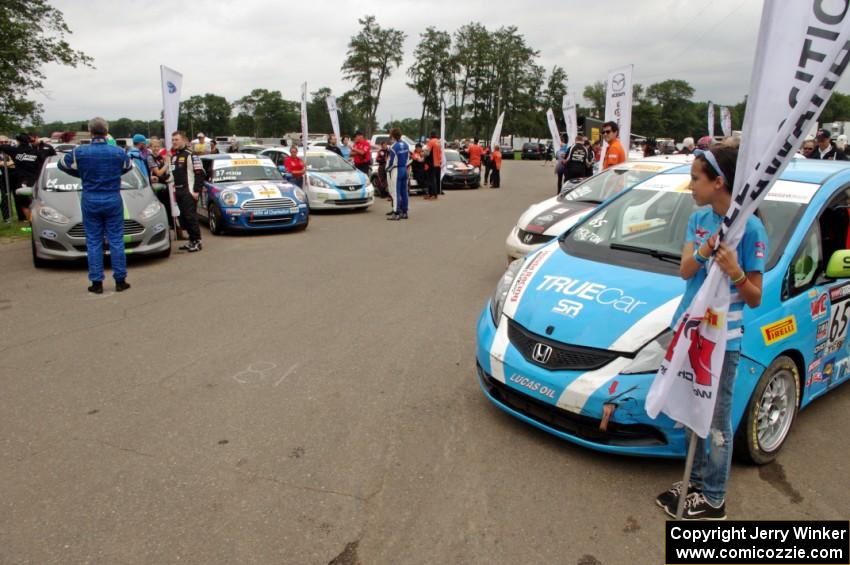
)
(52, 245)
(530, 238)
(127, 245)
(131, 227)
(564, 421)
(350, 201)
(265, 203)
(563, 357)
(350, 187)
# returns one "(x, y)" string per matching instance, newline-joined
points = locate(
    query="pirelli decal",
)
(779, 330)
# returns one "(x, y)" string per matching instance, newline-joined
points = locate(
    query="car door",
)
(820, 306)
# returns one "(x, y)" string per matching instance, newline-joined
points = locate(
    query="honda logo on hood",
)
(541, 353)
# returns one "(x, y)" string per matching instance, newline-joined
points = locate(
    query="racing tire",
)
(37, 261)
(770, 413)
(216, 220)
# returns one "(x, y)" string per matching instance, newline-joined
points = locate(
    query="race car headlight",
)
(52, 215)
(318, 183)
(498, 301)
(151, 210)
(648, 359)
(229, 198)
(300, 194)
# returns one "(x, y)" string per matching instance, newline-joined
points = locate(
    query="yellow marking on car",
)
(779, 330)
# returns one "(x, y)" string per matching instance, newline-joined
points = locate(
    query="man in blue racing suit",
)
(400, 154)
(100, 166)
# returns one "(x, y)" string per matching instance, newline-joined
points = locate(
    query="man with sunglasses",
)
(614, 154)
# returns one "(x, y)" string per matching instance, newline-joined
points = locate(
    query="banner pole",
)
(686, 479)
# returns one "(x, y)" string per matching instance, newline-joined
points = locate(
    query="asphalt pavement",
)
(311, 397)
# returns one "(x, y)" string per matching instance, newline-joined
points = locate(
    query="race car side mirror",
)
(839, 265)
(24, 191)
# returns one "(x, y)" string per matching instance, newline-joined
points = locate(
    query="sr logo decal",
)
(592, 292)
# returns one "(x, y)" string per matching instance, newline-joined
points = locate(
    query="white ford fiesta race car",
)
(546, 220)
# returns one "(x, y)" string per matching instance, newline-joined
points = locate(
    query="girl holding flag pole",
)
(712, 179)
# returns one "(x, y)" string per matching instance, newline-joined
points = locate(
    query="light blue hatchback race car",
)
(575, 332)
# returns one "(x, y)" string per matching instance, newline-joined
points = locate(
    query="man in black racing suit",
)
(188, 183)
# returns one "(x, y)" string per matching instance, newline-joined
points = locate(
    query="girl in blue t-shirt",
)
(712, 179)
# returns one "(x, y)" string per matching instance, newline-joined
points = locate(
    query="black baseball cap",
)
(823, 134)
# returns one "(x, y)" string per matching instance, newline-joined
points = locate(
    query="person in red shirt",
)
(295, 166)
(361, 153)
(615, 154)
(475, 151)
(496, 175)
(434, 155)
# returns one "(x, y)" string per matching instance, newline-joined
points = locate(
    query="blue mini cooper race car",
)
(575, 332)
(247, 192)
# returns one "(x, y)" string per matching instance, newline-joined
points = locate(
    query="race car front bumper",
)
(238, 219)
(516, 249)
(571, 404)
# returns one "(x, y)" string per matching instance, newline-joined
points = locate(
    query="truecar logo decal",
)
(585, 290)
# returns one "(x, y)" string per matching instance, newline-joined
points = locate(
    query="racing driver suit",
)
(188, 179)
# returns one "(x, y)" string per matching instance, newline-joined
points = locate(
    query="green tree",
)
(837, 109)
(209, 113)
(433, 73)
(678, 114)
(595, 94)
(33, 34)
(556, 88)
(271, 115)
(317, 111)
(371, 57)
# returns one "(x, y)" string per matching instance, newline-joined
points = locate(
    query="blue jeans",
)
(103, 214)
(712, 462)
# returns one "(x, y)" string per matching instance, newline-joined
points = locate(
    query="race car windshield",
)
(645, 227)
(606, 184)
(452, 156)
(244, 173)
(57, 181)
(329, 163)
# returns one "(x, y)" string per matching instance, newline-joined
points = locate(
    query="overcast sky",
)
(230, 48)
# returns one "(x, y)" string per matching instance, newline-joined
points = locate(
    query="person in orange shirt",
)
(474, 151)
(615, 154)
(434, 155)
(496, 175)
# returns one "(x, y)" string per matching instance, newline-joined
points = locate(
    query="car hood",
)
(552, 216)
(590, 304)
(341, 178)
(258, 189)
(68, 203)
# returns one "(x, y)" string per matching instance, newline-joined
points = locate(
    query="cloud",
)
(230, 48)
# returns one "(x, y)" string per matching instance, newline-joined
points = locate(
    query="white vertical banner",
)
(801, 52)
(304, 132)
(172, 85)
(333, 110)
(710, 119)
(497, 131)
(618, 106)
(568, 107)
(442, 140)
(553, 129)
(726, 121)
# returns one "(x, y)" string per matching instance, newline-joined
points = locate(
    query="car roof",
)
(798, 170)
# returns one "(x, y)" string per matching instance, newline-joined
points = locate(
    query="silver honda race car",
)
(57, 220)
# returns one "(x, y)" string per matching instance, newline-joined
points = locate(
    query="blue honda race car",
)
(573, 336)
(247, 192)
